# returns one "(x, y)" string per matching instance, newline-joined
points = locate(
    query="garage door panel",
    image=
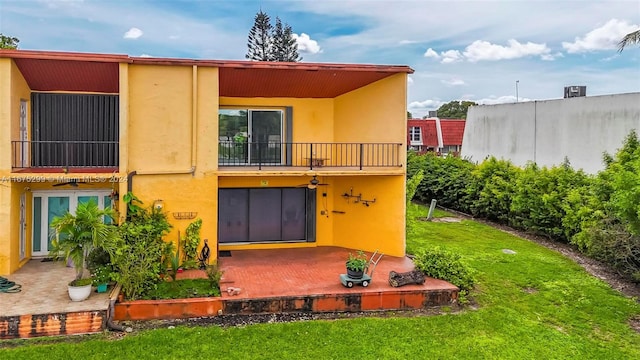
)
(265, 208)
(294, 214)
(233, 215)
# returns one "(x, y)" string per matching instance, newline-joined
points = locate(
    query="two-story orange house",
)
(268, 155)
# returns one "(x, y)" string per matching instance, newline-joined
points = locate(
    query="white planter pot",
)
(79, 293)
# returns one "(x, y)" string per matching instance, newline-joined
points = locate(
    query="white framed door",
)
(50, 204)
(23, 226)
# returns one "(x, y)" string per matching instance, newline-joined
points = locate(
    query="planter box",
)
(168, 309)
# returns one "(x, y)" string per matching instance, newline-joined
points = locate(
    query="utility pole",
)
(517, 81)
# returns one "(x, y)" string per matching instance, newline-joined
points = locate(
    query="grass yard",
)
(534, 304)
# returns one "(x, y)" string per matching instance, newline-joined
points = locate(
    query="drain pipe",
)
(113, 296)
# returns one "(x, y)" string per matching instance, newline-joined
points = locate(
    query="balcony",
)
(64, 154)
(310, 155)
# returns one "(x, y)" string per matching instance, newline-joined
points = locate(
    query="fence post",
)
(361, 155)
(310, 156)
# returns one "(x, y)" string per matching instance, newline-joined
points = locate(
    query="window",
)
(251, 136)
(449, 149)
(415, 135)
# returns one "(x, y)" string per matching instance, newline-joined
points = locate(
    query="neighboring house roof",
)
(68, 71)
(451, 131)
(428, 130)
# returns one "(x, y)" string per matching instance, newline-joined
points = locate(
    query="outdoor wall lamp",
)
(158, 204)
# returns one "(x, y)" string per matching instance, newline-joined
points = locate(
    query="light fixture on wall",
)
(158, 204)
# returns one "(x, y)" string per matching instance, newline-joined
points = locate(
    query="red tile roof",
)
(428, 130)
(66, 71)
(452, 131)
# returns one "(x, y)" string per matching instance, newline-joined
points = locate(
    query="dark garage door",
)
(266, 215)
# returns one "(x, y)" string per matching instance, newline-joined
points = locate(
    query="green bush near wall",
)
(600, 214)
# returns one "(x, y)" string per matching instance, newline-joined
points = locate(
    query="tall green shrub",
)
(541, 196)
(141, 254)
(490, 190)
(446, 180)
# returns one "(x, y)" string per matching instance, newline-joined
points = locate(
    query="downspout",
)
(194, 118)
(439, 133)
(535, 130)
(112, 300)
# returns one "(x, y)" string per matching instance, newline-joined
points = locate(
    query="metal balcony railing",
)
(309, 155)
(53, 154)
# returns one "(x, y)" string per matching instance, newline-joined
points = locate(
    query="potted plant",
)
(101, 277)
(356, 265)
(74, 236)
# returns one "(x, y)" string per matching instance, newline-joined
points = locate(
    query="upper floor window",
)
(415, 135)
(250, 136)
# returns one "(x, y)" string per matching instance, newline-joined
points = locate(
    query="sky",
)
(484, 51)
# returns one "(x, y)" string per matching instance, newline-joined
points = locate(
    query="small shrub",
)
(613, 244)
(97, 257)
(190, 244)
(214, 274)
(443, 264)
(357, 262)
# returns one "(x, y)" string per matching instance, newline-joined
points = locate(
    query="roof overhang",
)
(84, 72)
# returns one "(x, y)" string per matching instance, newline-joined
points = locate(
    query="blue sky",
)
(471, 50)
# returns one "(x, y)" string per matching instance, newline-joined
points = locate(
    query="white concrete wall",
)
(546, 132)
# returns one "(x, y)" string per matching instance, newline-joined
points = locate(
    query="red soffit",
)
(292, 82)
(66, 75)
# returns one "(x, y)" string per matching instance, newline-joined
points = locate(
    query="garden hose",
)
(7, 286)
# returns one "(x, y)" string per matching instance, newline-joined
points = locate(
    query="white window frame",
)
(415, 135)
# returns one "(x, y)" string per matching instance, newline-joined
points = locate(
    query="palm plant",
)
(76, 235)
(629, 39)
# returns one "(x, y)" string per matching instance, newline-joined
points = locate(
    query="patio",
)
(43, 306)
(269, 281)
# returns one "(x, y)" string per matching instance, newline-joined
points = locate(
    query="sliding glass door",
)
(250, 136)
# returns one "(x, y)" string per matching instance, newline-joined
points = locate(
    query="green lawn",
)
(532, 305)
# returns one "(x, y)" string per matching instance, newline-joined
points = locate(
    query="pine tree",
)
(290, 46)
(278, 47)
(285, 47)
(260, 40)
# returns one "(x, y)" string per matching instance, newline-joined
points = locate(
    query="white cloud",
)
(409, 80)
(551, 57)
(424, 105)
(451, 56)
(483, 50)
(453, 82)
(174, 37)
(133, 33)
(430, 53)
(145, 55)
(605, 37)
(445, 57)
(306, 44)
(407, 42)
